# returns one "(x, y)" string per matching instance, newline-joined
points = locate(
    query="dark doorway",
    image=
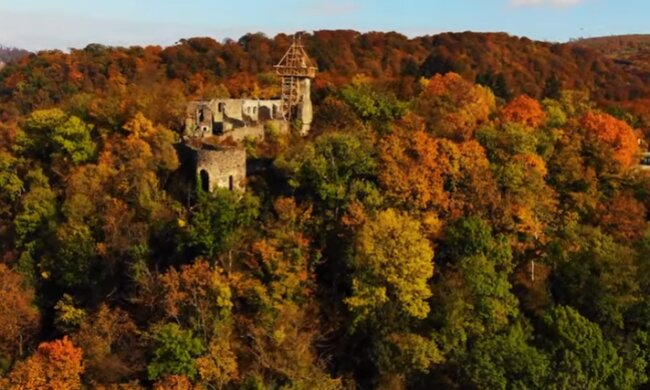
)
(265, 114)
(205, 180)
(231, 183)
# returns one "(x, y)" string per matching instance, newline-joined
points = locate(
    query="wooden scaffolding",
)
(293, 68)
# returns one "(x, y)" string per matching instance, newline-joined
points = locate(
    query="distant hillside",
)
(11, 53)
(513, 65)
(509, 65)
(631, 51)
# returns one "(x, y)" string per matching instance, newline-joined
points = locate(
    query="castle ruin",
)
(209, 123)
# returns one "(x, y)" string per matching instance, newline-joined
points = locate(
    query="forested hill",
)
(202, 67)
(437, 227)
(632, 51)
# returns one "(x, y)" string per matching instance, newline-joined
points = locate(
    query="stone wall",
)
(221, 116)
(241, 118)
(305, 109)
(220, 167)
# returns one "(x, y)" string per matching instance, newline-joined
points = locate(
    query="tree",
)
(216, 223)
(472, 297)
(391, 266)
(615, 134)
(198, 297)
(335, 170)
(75, 257)
(19, 318)
(453, 107)
(596, 275)
(413, 168)
(507, 361)
(624, 217)
(56, 365)
(524, 110)
(173, 382)
(529, 203)
(112, 349)
(38, 207)
(581, 357)
(10, 184)
(174, 352)
(435, 176)
(219, 365)
(52, 134)
(372, 106)
(276, 287)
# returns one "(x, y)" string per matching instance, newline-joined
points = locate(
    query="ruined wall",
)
(221, 116)
(305, 109)
(220, 167)
(256, 132)
(199, 120)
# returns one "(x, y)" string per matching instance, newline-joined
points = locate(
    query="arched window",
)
(205, 180)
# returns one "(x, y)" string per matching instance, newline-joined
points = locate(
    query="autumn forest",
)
(468, 211)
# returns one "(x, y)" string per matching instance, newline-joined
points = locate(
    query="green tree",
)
(10, 184)
(216, 222)
(37, 208)
(377, 108)
(175, 351)
(473, 296)
(72, 261)
(507, 361)
(335, 170)
(581, 357)
(51, 134)
(599, 278)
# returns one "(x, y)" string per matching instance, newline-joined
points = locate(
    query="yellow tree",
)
(392, 265)
(453, 107)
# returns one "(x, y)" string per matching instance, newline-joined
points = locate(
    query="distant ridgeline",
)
(509, 65)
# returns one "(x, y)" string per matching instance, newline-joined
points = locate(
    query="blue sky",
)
(61, 24)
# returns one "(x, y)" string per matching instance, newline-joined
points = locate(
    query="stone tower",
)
(297, 72)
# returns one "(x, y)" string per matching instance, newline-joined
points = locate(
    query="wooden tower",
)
(294, 68)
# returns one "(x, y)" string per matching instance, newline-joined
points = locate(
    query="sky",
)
(64, 24)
